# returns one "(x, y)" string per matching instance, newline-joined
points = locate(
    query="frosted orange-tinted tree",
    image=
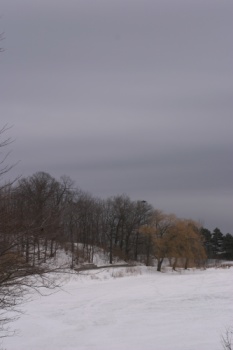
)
(176, 239)
(187, 243)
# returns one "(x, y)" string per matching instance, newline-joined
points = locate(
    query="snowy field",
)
(113, 310)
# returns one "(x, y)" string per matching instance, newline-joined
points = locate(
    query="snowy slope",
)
(145, 311)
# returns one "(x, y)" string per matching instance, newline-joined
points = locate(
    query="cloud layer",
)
(124, 96)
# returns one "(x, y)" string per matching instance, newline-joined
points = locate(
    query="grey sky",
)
(124, 96)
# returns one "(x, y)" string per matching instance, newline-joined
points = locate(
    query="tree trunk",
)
(45, 249)
(27, 250)
(136, 247)
(110, 249)
(174, 265)
(159, 265)
(186, 263)
(51, 247)
(38, 249)
(148, 249)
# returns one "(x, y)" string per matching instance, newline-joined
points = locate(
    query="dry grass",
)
(128, 271)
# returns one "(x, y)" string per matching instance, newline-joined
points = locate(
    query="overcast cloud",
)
(124, 96)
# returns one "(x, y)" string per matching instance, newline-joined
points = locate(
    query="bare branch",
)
(1, 38)
(227, 339)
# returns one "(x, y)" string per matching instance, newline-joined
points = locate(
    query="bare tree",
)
(18, 274)
(39, 204)
(122, 219)
(162, 240)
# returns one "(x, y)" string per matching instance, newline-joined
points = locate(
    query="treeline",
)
(217, 245)
(39, 214)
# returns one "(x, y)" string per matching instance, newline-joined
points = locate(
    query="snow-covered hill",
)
(130, 308)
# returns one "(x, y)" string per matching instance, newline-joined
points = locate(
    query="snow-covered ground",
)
(143, 310)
